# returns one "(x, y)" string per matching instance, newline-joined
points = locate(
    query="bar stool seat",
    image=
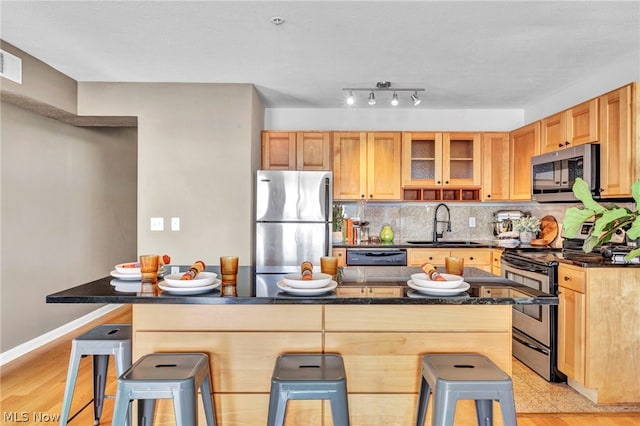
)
(308, 377)
(464, 376)
(176, 376)
(101, 341)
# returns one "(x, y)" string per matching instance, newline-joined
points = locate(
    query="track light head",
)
(394, 99)
(372, 98)
(415, 99)
(350, 99)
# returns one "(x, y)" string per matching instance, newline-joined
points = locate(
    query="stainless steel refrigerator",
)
(293, 223)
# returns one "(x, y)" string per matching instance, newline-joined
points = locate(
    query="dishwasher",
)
(376, 257)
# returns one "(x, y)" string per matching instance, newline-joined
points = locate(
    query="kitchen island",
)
(381, 340)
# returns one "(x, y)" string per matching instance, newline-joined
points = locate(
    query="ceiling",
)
(478, 54)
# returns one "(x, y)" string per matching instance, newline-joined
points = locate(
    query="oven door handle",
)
(530, 346)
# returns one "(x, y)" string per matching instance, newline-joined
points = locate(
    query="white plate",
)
(126, 286)
(452, 281)
(414, 294)
(306, 291)
(120, 268)
(202, 279)
(190, 290)
(439, 291)
(132, 277)
(296, 281)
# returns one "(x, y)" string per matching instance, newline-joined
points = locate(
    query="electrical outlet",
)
(175, 223)
(157, 224)
(472, 222)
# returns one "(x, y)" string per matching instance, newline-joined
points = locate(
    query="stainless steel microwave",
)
(554, 173)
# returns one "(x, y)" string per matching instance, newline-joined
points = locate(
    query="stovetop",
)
(611, 255)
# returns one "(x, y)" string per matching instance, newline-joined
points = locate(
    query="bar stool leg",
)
(207, 401)
(185, 408)
(484, 412)
(146, 409)
(72, 375)
(444, 407)
(277, 406)
(339, 408)
(121, 407)
(508, 409)
(423, 402)
(100, 366)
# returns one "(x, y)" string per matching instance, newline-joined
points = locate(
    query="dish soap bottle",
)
(386, 234)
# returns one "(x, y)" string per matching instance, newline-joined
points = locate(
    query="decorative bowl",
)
(452, 281)
(202, 279)
(317, 280)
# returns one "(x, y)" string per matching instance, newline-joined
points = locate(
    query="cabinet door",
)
(341, 254)
(418, 257)
(278, 150)
(524, 143)
(554, 132)
(582, 123)
(421, 159)
(572, 324)
(461, 155)
(495, 172)
(383, 165)
(349, 165)
(617, 159)
(313, 151)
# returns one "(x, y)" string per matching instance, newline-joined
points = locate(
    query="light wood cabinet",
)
(296, 150)
(479, 258)
(496, 256)
(524, 143)
(575, 126)
(341, 254)
(366, 165)
(619, 141)
(369, 291)
(571, 323)
(597, 342)
(495, 166)
(436, 159)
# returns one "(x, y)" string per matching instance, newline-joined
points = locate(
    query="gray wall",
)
(68, 215)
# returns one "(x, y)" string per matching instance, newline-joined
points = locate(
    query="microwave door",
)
(546, 176)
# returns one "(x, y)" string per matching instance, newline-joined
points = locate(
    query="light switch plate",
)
(175, 223)
(472, 222)
(157, 224)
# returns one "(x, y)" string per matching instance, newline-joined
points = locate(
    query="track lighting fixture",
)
(383, 86)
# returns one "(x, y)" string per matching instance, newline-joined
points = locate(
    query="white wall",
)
(392, 119)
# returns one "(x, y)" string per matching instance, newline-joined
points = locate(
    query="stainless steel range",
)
(535, 329)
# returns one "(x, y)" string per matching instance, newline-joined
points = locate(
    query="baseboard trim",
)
(33, 344)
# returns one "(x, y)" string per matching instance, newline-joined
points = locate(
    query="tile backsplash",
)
(414, 221)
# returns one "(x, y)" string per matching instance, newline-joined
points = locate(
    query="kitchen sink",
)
(444, 243)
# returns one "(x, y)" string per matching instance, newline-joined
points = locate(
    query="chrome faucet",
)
(437, 235)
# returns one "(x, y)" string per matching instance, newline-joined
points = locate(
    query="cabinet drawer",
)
(573, 278)
(473, 257)
(418, 257)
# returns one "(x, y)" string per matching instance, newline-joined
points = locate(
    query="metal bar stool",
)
(176, 376)
(464, 376)
(101, 341)
(309, 377)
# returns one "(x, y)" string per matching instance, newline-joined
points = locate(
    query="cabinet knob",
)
(438, 182)
(560, 145)
(447, 182)
(361, 195)
(488, 195)
(471, 258)
(567, 143)
(430, 258)
(370, 195)
(566, 278)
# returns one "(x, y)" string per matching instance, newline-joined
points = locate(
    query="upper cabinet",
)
(495, 171)
(524, 143)
(296, 150)
(575, 126)
(619, 141)
(366, 165)
(434, 159)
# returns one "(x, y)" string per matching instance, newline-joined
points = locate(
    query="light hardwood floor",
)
(31, 390)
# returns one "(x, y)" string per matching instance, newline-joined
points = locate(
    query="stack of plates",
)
(202, 283)
(452, 285)
(130, 271)
(318, 284)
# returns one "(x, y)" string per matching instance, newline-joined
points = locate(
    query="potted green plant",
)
(608, 218)
(528, 227)
(338, 220)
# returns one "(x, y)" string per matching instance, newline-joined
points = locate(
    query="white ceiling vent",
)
(10, 66)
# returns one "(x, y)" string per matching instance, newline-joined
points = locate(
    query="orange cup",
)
(149, 264)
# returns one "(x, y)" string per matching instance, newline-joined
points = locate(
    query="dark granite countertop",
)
(485, 289)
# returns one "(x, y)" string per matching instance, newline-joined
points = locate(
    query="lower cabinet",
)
(480, 258)
(382, 346)
(598, 342)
